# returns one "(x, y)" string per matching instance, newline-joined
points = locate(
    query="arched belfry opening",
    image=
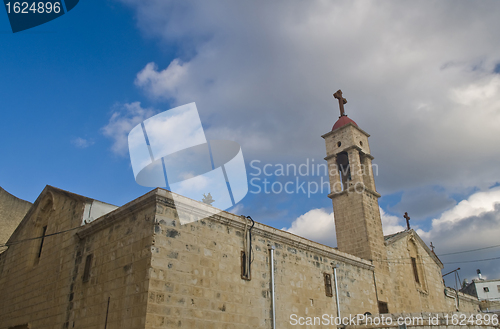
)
(344, 169)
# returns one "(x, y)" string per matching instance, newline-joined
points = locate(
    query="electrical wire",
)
(393, 261)
(401, 261)
(38, 237)
(461, 252)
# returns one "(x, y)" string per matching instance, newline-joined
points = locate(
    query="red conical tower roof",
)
(342, 121)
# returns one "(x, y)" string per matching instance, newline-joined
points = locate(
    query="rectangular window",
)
(88, 265)
(498, 288)
(415, 270)
(486, 289)
(328, 284)
(383, 308)
(41, 242)
(245, 267)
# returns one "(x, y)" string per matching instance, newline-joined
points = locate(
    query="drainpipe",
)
(271, 249)
(451, 296)
(336, 289)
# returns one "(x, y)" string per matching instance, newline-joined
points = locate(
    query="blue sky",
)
(263, 75)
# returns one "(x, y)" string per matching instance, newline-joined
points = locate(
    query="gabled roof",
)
(392, 238)
(34, 208)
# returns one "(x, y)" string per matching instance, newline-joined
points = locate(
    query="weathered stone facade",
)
(136, 266)
(156, 273)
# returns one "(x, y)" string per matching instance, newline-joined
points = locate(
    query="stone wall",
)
(148, 271)
(428, 294)
(12, 211)
(50, 291)
(196, 275)
(115, 291)
(35, 289)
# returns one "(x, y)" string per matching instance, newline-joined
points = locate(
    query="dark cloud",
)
(263, 74)
(423, 202)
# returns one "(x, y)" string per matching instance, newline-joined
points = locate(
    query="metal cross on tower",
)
(407, 220)
(342, 101)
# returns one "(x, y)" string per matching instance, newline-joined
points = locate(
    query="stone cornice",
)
(355, 147)
(351, 189)
(163, 197)
(271, 233)
(328, 157)
(117, 215)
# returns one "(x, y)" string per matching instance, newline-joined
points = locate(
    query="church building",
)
(75, 262)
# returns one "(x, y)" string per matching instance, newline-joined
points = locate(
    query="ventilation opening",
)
(383, 308)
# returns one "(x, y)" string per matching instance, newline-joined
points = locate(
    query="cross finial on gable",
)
(342, 101)
(432, 247)
(407, 220)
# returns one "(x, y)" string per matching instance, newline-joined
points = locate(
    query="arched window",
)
(416, 264)
(41, 224)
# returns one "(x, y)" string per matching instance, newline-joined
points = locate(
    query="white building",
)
(484, 289)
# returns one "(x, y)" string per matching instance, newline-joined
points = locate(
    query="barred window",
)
(328, 284)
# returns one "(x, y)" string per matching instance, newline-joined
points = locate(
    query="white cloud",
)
(319, 225)
(162, 84)
(123, 119)
(473, 210)
(390, 223)
(427, 93)
(471, 224)
(82, 142)
(266, 72)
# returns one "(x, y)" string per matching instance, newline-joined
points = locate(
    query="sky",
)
(422, 78)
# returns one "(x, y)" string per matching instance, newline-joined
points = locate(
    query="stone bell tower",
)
(352, 186)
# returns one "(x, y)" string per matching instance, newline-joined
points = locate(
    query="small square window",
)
(383, 308)
(486, 289)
